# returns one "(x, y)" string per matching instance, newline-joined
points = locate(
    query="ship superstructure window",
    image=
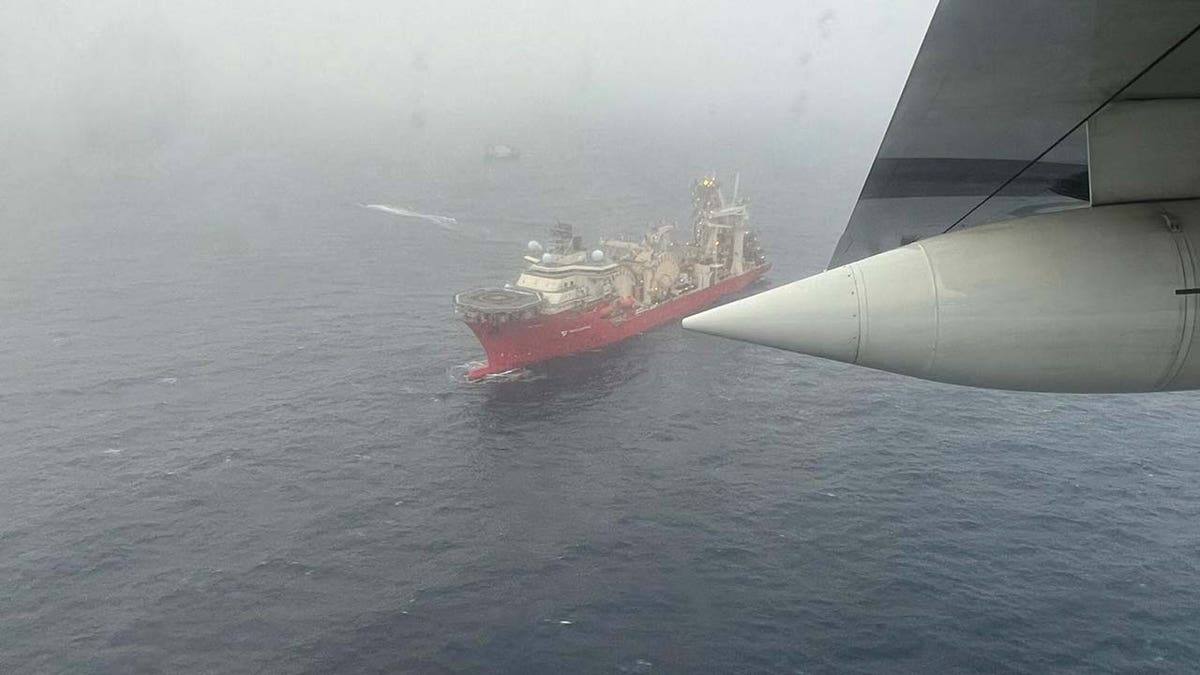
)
(603, 290)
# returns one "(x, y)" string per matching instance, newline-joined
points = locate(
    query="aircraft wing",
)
(990, 123)
(1077, 122)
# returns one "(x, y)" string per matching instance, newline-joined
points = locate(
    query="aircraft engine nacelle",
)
(1099, 299)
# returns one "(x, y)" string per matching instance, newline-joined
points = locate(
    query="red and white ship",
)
(570, 299)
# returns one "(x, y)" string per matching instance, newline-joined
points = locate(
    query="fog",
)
(238, 431)
(110, 84)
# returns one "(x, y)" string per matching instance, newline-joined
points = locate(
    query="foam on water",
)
(692, 503)
(458, 373)
(444, 221)
(515, 375)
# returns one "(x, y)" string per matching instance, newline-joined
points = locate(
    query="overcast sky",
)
(128, 77)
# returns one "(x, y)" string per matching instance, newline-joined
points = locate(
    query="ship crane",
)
(569, 299)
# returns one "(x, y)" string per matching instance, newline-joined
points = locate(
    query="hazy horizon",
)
(123, 83)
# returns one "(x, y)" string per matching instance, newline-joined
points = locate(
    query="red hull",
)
(518, 344)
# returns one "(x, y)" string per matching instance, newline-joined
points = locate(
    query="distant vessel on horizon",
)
(501, 151)
(569, 300)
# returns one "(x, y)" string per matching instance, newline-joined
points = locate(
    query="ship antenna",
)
(737, 179)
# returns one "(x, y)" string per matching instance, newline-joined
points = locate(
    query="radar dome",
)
(534, 246)
(597, 255)
(546, 257)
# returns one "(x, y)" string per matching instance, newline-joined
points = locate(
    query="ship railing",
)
(497, 304)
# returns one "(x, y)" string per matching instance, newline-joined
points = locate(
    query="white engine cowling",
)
(1076, 301)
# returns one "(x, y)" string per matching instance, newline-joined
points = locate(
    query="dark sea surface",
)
(235, 438)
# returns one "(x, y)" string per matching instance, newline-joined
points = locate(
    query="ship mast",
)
(720, 227)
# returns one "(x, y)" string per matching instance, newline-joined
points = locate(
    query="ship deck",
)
(497, 300)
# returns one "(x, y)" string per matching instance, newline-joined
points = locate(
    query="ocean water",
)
(235, 438)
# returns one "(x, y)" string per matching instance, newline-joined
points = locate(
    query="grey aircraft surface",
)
(1032, 218)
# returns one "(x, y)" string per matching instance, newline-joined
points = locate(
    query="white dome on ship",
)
(535, 246)
(597, 255)
(546, 257)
